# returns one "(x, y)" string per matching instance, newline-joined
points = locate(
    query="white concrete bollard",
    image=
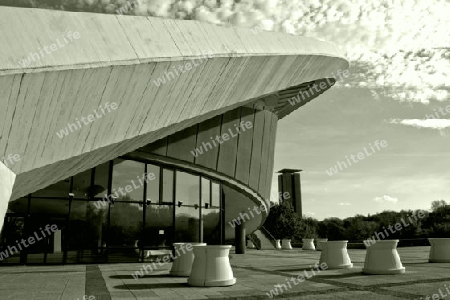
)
(308, 244)
(211, 266)
(182, 264)
(277, 244)
(319, 244)
(286, 244)
(440, 250)
(335, 255)
(382, 259)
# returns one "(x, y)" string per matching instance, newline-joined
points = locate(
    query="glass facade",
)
(120, 211)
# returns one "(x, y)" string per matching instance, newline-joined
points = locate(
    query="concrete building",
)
(174, 121)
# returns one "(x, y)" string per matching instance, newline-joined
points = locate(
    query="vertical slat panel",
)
(244, 153)
(271, 154)
(207, 130)
(159, 147)
(182, 143)
(264, 154)
(255, 163)
(228, 150)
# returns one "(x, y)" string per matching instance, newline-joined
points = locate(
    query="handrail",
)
(267, 231)
(250, 237)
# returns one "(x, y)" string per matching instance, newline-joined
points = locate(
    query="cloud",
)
(436, 124)
(397, 48)
(386, 198)
(344, 203)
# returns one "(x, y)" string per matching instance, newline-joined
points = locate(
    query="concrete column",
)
(239, 238)
(7, 178)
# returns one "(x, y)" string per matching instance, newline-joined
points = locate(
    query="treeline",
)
(355, 229)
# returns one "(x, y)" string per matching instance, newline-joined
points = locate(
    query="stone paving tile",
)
(257, 272)
(424, 289)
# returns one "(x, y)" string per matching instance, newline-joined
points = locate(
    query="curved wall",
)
(247, 158)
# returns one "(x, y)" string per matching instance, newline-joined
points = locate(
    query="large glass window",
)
(187, 189)
(100, 188)
(187, 224)
(215, 194)
(183, 207)
(86, 236)
(125, 232)
(82, 184)
(206, 189)
(128, 180)
(158, 231)
(167, 186)
(153, 185)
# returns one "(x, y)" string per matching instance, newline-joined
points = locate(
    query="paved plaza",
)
(257, 272)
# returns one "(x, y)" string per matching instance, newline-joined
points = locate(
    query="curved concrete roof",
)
(116, 59)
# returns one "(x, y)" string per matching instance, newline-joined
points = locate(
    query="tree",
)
(438, 206)
(282, 221)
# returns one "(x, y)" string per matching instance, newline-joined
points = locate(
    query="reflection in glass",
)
(188, 188)
(215, 194)
(13, 230)
(50, 206)
(187, 224)
(59, 189)
(128, 180)
(205, 192)
(158, 232)
(153, 185)
(82, 184)
(124, 232)
(87, 233)
(211, 226)
(167, 185)
(100, 188)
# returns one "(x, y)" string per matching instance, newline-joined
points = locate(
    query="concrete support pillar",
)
(239, 236)
(7, 178)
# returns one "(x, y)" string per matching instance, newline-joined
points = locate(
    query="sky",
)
(400, 70)
(399, 52)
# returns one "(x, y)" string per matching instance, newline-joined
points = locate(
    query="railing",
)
(266, 232)
(252, 238)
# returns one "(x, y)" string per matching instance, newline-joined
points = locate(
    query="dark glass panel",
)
(153, 185)
(187, 188)
(167, 185)
(128, 180)
(158, 232)
(187, 224)
(100, 188)
(215, 194)
(125, 232)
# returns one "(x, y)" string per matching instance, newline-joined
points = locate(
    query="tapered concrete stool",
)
(440, 250)
(211, 266)
(382, 259)
(182, 264)
(335, 255)
(319, 244)
(308, 244)
(277, 244)
(286, 244)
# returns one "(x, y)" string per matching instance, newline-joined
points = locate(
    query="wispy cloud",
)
(386, 198)
(437, 124)
(344, 203)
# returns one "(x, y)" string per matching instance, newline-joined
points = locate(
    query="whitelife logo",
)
(360, 155)
(53, 47)
(13, 249)
(224, 136)
(91, 118)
